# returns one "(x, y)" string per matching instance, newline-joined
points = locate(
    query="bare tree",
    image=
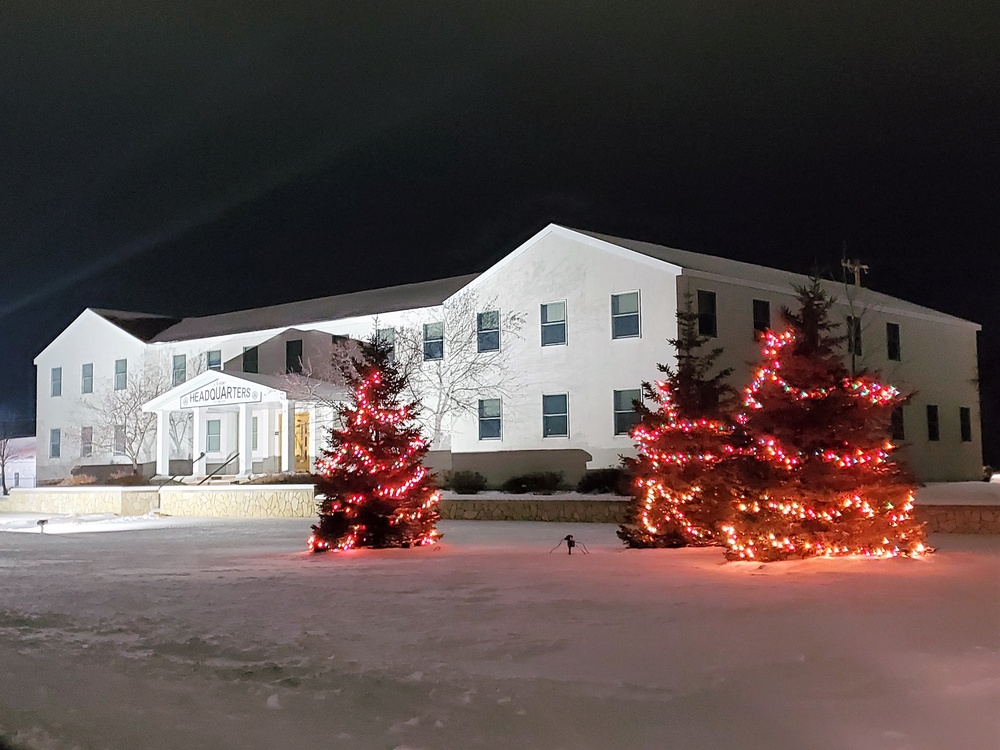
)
(474, 358)
(120, 425)
(6, 451)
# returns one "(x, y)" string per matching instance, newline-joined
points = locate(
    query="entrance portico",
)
(236, 418)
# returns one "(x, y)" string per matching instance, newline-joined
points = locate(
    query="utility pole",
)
(856, 267)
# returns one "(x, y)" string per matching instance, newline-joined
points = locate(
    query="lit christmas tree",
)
(374, 491)
(681, 481)
(828, 485)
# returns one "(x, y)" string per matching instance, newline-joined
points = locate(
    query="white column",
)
(198, 443)
(287, 438)
(265, 436)
(245, 440)
(163, 443)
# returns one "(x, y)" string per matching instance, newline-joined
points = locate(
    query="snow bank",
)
(959, 493)
(28, 523)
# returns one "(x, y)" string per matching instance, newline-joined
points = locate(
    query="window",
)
(553, 323)
(214, 358)
(893, 350)
(250, 359)
(119, 446)
(555, 415)
(489, 419)
(433, 341)
(87, 379)
(965, 423)
(213, 436)
(625, 414)
(121, 374)
(625, 315)
(854, 335)
(933, 428)
(488, 331)
(86, 442)
(708, 324)
(17, 479)
(180, 368)
(293, 355)
(55, 381)
(388, 337)
(55, 443)
(897, 429)
(253, 434)
(761, 316)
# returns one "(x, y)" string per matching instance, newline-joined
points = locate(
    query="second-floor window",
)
(55, 381)
(893, 349)
(761, 316)
(433, 341)
(388, 337)
(293, 355)
(625, 315)
(180, 369)
(214, 359)
(897, 427)
(488, 331)
(708, 323)
(250, 359)
(933, 427)
(965, 423)
(854, 335)
(553, 323)
(121, 374)
(87, 378)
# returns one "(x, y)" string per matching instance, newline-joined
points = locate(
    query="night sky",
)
(191, 158)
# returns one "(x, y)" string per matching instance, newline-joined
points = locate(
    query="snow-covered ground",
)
(225, 634)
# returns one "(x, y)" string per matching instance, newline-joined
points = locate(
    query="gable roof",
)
(352, 305)
(143, 326)
(765, 277)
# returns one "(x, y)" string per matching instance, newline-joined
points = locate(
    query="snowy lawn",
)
(225, 634)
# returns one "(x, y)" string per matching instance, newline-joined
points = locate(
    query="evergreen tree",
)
(680, 478)
(374, 491)
(825, 481)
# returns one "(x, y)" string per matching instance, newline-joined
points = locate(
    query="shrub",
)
(77, 480)
(126, 478)
(605, 481)
(466, 482)
(539, 481)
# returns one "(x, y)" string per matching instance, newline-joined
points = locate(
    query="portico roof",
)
(216, 388)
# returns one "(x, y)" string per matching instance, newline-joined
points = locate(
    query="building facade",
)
(531, 365)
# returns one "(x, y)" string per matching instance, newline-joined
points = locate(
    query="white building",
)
(19, 461)
(568, 325)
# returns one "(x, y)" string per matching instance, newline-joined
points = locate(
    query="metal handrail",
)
(228, 461)
(172, 478)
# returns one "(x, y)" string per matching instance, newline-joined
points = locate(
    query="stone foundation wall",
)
(542, 509)
(239, 501)
(124, 501)
(960, 519)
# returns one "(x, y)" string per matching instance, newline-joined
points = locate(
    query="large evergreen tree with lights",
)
(681, 479)
(825, 482)
(373, 489)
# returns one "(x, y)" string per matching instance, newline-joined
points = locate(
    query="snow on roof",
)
(761, 275)
(354, 304)
(144, 326)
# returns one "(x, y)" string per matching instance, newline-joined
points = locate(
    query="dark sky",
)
(191, 158)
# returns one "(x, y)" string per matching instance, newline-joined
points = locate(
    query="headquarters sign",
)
(218, 393)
